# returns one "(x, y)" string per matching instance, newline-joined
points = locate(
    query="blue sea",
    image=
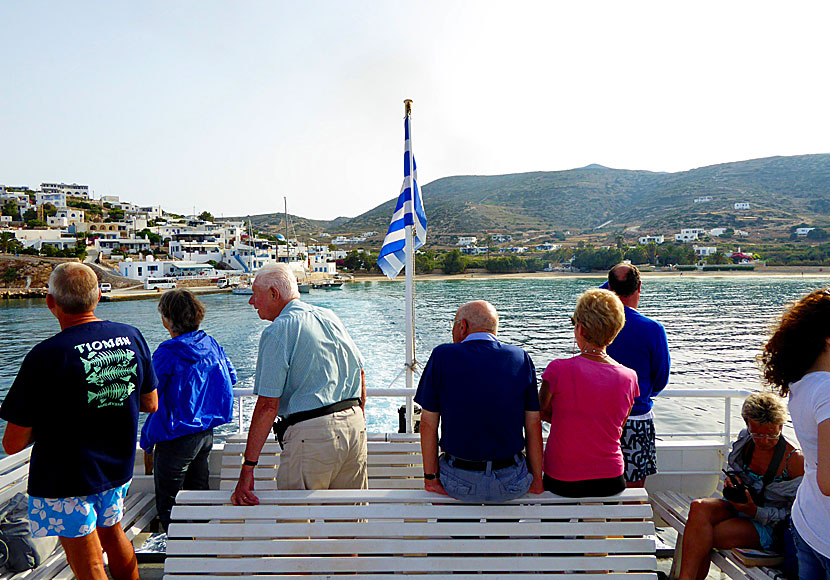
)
(715, 326)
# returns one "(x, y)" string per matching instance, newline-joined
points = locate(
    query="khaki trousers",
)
(327, 452)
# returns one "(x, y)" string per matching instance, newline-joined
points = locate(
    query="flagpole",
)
(410, 284)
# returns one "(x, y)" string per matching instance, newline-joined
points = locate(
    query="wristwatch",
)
(430, 476)
(250, 463)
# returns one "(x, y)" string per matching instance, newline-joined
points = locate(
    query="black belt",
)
(283, 423)
(482, 465)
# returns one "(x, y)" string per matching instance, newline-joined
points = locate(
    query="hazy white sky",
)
(229, 106)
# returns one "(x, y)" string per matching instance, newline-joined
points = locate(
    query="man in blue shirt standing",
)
(484, 394)
(310, 372)
(642, 346)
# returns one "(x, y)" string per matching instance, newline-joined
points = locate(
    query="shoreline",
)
(766, 272)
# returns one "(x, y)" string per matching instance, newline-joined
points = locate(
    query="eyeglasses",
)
(764, 436)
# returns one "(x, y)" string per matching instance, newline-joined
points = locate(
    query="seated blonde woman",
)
(587, 399)
(769, 468)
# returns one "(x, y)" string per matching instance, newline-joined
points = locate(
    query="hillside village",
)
(61, 220)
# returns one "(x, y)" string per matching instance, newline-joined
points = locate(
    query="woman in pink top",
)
(587, 399)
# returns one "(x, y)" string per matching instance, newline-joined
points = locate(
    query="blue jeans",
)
(181, 463)
(484, 486)
(811, 564)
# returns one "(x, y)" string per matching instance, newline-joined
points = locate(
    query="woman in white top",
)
(796, 360)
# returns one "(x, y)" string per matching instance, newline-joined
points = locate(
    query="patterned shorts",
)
(638, 449)
(73, 517)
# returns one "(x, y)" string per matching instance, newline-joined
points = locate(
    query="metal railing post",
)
(727, 421)
(410, 410)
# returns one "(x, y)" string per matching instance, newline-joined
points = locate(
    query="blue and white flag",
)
(408, 211)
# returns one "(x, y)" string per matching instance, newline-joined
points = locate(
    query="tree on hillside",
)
(206, 216)
(10, 208)
(817, 234)
(5, 241)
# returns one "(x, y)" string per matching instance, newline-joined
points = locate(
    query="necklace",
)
(594, 352)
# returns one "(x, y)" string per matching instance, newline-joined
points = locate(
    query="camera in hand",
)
(736, 493)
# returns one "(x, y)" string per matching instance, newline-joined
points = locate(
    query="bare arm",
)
(262, 420)
(363, 391)
(149, 402)
(823, 472)
(429, 448)
(533, 432)
(544, 401)
(17, 438)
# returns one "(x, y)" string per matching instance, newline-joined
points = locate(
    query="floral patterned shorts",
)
(73, 517)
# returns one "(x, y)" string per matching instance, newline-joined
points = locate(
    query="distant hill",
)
(781, 191)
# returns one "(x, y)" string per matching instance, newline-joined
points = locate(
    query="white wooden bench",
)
(381, 533)
(139, 510)
(673, 508)
(394, 462)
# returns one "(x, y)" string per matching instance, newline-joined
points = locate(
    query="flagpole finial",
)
(407, 107)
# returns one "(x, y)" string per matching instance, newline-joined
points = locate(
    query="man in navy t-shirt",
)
(642, 346)
(484, 395)
(77, 397)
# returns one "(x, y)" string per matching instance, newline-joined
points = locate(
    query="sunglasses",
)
(763, 436)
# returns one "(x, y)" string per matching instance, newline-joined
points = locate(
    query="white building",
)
(196, 246)
(109, 199)
(38, 238)
(803, 231)
(324, 266)
(501, 238)
(548, 247)
(5, 219)
(704, 251)
(21, 199)
(467, 240)
(717, 232)
(474, 250)
(741, 205)
(72, 215)
(154, 212)
(741, 233)
(57, 199)
(703, 199)
(73, 189)
(54, 221)
(644, 240)
(128, 245)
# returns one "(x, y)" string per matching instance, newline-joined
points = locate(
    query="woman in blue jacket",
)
(195, 393)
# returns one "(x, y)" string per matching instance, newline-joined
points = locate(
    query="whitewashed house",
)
(741, 205)
(644, 240)
(704, 251)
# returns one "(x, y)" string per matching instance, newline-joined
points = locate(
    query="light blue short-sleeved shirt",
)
(307, 360)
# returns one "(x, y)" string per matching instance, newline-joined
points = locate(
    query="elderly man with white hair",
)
(483, 393)
(310, 373)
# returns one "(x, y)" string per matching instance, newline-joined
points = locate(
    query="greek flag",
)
(408, 211)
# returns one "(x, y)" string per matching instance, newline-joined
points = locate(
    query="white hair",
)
(74, 287)
(480, 315)
(280, 277)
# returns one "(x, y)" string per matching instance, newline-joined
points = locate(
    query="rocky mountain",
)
(780, 191)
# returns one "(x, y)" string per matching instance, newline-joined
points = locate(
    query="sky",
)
(231, 106)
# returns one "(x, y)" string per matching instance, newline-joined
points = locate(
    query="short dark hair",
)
(627, 285)
(182, 310)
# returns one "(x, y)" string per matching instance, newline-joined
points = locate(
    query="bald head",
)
(624, 281)
(475, 316)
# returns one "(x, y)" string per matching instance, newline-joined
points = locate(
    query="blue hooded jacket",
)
(195, 388)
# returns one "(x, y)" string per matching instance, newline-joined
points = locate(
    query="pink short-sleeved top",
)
(590, 404)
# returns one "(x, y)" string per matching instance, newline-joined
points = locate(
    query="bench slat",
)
(478, 576)
(347, 496)
(412, 529)
(411, 511)
(408, 564)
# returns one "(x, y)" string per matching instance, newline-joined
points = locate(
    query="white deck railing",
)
(408, 394)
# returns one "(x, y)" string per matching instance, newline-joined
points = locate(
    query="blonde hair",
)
(765, 408)
(74, 287)
(601, 315)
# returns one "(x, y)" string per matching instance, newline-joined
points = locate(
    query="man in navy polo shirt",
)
(484, 395)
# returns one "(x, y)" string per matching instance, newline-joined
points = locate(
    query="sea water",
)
(716, 327)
